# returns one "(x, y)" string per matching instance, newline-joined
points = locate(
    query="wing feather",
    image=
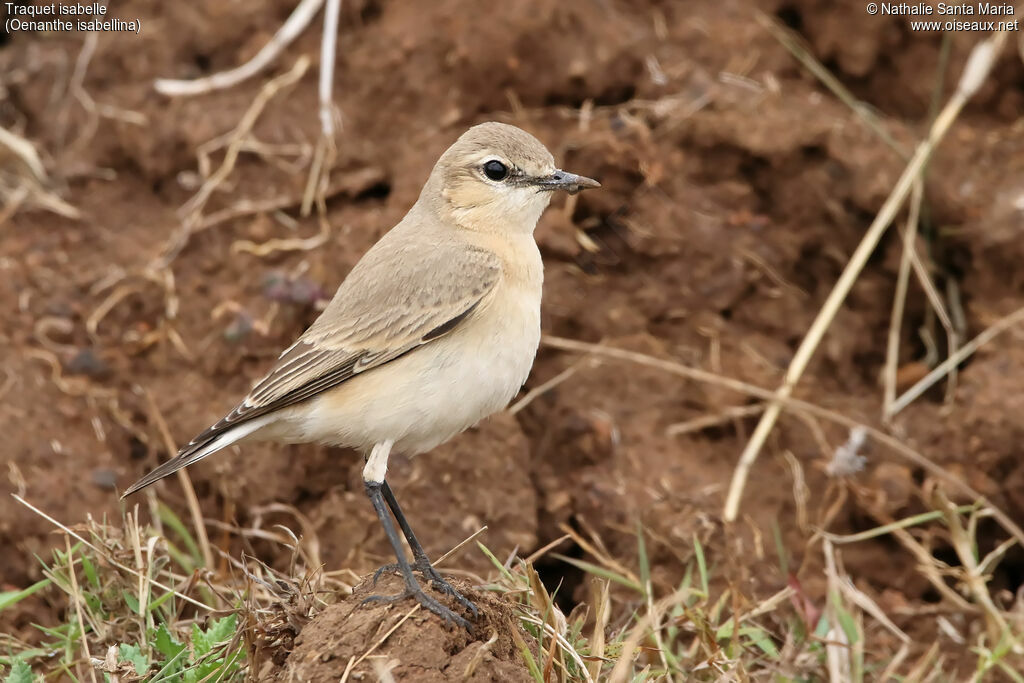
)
(381, 311)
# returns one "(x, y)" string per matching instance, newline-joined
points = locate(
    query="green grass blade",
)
(531, 663)
(13, 597)
(494, 560)
(846, 620)
(168, 517)
(643, 561)
(702, 566)
(601, 572)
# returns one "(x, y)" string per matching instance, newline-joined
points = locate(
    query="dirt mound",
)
(354, 638)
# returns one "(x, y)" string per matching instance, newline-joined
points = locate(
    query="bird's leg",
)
(373, 478)
(412, 588)
(421, 562)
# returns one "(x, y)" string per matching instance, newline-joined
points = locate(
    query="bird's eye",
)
(495, 170)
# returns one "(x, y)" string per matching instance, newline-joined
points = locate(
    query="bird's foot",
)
(392, 568)
(423, 566)
(443, 586)
(414, 591)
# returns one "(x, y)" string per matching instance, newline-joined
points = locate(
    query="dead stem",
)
(183, 479)
(1003, 324)
(977, 69)
(292, 27)
(192, 210)
(107, 556)
(972, 575)
(899, 299)
(796, 405)
(76, 599)
(547, 386)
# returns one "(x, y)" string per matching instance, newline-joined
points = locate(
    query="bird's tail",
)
(196, 451)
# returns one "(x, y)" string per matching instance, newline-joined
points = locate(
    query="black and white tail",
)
(209, 442)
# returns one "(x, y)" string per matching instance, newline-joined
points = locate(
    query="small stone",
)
(239, 328)
(104, 478)
(305, 292)
(86, 362)
(275, 286)
(894, 487)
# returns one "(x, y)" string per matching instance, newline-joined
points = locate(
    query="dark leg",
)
(421, 562)
(412, 588)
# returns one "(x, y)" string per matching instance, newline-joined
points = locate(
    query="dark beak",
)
(563, 180)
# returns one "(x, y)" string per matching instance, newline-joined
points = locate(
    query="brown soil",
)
(423, 649)
(735, 187)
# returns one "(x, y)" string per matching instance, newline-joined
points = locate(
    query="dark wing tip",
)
(446, 327)
(184, 458)
(169, 467)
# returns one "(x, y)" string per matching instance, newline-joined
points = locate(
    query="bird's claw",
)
(386, 569)
(444, 587)
(427, 602)
(424, 568)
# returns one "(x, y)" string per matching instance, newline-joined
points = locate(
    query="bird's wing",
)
(396, 299)
(385, 315)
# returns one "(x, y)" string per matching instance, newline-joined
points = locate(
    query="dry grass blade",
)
(639, 630)
(245, 207)
(946, 366)
(927, 565)
(295, 24)
(184, 480)
(801, 492)
(327, 59)
(23, 150)
(792, 42)
(547, 386)
(769, 605)
(899, 300)
(974, 578)
(273, 246)
(484, 650)
(77, 598)
(707, 421)
(977, 69)
(192, 210)
(25, 185)
(107, 557)
(324, 154)
(837, 646)
(797, 405)
(542, 551)
(622, 670)
(387, 634)
(599, 589)
(932, 294)
(564, 645)
(604, 558)
(472, 537)
(862, 600)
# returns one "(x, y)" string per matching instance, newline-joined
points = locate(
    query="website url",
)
(965, 25)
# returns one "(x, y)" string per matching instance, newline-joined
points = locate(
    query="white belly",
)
(424, 398)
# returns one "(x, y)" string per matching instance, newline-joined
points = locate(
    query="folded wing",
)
(399, 297)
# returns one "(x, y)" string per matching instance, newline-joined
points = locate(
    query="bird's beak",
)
(563, 180)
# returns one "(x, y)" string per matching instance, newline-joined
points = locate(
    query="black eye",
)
(495, 170)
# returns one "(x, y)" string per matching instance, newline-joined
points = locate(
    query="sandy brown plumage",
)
(434, 328)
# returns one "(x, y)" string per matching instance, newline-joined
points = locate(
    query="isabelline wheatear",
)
(435, 328)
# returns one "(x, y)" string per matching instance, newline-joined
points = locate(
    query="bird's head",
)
(498, 177)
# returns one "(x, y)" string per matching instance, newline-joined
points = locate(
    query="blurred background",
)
(157, 252)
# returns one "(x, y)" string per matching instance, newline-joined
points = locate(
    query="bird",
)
(435, 328)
